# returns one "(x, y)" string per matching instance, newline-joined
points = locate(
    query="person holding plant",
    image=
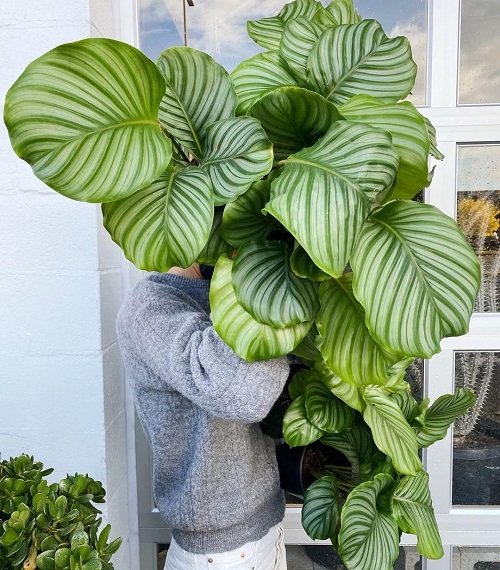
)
(216, 479)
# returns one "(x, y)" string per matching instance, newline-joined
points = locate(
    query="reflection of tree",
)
(473, 370)
(478, 216)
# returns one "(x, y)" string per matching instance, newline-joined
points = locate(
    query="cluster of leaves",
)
(294, 175)
(51, 526)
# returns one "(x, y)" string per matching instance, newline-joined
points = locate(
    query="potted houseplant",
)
(51, 526)
(294, 176)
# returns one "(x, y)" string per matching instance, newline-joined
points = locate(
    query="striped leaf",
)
(266, 287)
(236, 153)
(298, 39)
(259, 75)
(391, 431)
(307, 349)
(198, 93)
(297, 429)
(85, 117)
(347, 346)
(243, 220)
(297, 385)
(348, 393)
(431, 130)
(338, 12)
(360, 58)
(325, 191)
(267, 32)
(409, 137)
(412, 508)
(248, 338)
(356, 443)
(321, 508)
(417, 249)
(303, 266)
(293, 118)
(325, 410)
(406, 403)
(443, 412)
(165, 224)
(216, 245)
(369, 537)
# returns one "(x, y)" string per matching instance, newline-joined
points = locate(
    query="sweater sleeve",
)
(175, 339)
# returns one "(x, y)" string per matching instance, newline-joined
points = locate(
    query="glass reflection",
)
(475, 558)
(476, 441)
(479, 81)
(478, 214)
(219, 27)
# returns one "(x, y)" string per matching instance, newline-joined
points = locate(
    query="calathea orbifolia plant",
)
(294, 176)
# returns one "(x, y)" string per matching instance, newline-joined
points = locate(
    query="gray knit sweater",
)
(215, 473)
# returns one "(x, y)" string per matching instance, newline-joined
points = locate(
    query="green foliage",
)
(51, 526)
(293, 176)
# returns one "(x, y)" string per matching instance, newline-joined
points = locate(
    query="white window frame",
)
(455, 125)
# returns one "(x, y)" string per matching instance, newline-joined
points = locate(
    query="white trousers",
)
(268, 553)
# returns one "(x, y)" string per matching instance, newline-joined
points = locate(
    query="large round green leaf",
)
(293, 118)
(259, 75)
(417, 249)
(266, 287)
(236, 153)
(391, 431)
(243, 219)
(409, 137)
(369, 537)
(412, 508)
(297, 385)
(85, 117)
(348, 393)
(347, 346)
(338, 12)
(248, 338)
(267, 32)
(325, 410)
(298, 39)
(307, 349)
(303, 266)
(360, 58)
(165, 224)
(198, 93)
(321, 509)
(325, 191)
(297, 429)
(216, 244)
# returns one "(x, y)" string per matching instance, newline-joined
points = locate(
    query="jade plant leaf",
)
(236, 154)
(259, 75)
(266, 287)
(293, 118)
(198, 93)
(412, 508)
(85, 117)
(321, 509)
(365, 61)
(247, 337)
(325, 191)
(415, 248)
(303, 266)
(409, 137)
(297, 429)
(243, 220)
(443, 412)
(369, 536)
(338, 12)
(216, 245)
(347, 346)
(267, 32)
(156, 227)
(325, 410)
(391, 432)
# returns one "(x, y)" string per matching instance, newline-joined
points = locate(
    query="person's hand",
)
(192, 272)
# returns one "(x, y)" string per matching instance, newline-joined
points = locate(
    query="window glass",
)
(465, 558)
(478, 214)
(479, 81)
(476, 436)
(219, 28)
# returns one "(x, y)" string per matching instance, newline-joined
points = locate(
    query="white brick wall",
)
(62, 394)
